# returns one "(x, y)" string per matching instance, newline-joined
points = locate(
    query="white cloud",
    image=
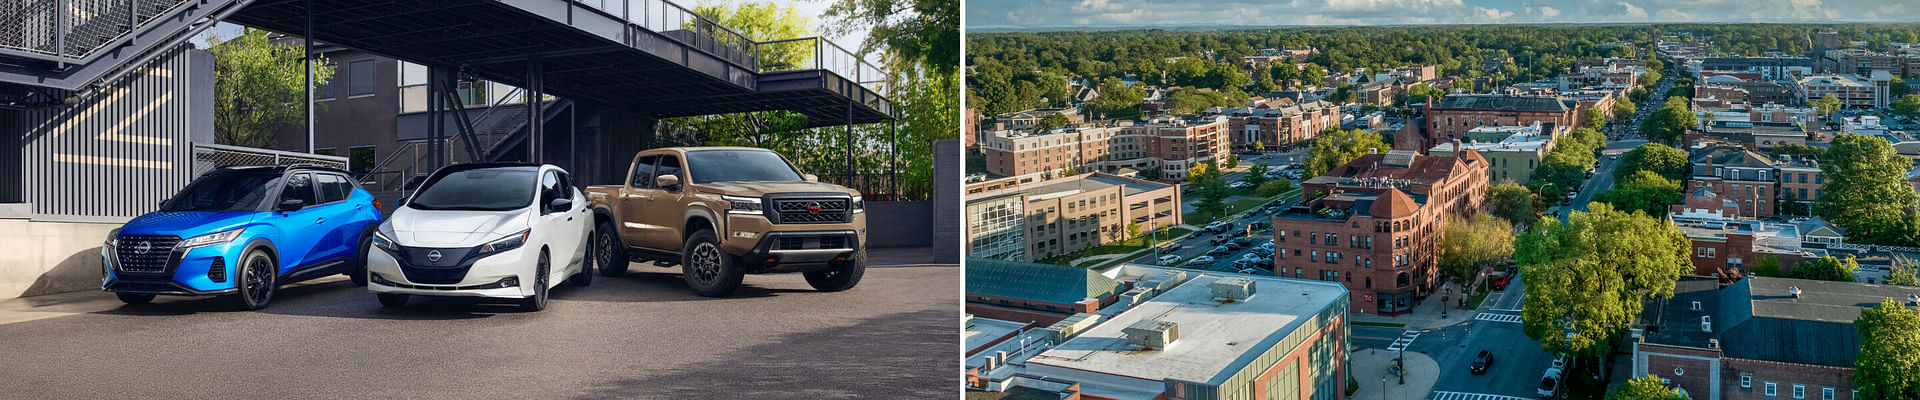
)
(1383, 12)
(1549, 12)
(1633, 11)
(1491, 14)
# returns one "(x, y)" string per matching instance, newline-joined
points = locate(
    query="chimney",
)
(1152, 334)
(1232, 289)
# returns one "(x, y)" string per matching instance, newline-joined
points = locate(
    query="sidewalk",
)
(1425, 315)
(1370, 365)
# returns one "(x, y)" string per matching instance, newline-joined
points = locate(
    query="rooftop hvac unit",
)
(1152, 333)
(1696, 306)
(1234, 289)
(1706, 324)
(988, 364)
(1713, 343)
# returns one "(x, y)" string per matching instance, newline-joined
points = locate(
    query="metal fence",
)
(209, 156)
(74, 29)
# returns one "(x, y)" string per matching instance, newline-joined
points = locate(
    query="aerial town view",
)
(1478, 200)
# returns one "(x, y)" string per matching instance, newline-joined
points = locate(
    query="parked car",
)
(1219, 251)
(720, 213)
(1481, 362)
(241, 232)
(1201, 260)
(1243, 241)
(1500, 281)
(1549, 383)
(492, 230)
(1169, 259)
(1233, 246)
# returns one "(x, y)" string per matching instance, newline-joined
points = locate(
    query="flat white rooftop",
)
(1215, 338)
(985, 330)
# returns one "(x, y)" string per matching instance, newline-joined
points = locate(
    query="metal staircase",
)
(76, 45)
(499, 131)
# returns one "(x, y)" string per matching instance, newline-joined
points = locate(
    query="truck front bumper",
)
(801, 251)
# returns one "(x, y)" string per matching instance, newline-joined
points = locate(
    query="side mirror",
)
(560, 204)
(812, 178)
(669, 182)
(292, 205)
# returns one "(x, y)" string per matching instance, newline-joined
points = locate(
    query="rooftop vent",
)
(1706, 324)
(1152, 334)
(1795, 291)
(1913, 299)
(1713, 343)
(1234, 289)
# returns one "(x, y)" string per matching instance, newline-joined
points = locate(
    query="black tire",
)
(393, 300)
(840, 277)
(538, 301)
(358, 271)
(585, 276)
(708, 270)
(134, 298)
(608, 251)
(257, 276)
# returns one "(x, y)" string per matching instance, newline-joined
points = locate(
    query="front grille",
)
(145, 253)
(810, 211)
(812, 243)
(145, 287)
(451, 267)
(834, 242)
(793, 243)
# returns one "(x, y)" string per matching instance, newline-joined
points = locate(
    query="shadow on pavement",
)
(903, 355)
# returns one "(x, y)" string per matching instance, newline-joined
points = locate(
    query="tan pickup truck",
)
(723, 212)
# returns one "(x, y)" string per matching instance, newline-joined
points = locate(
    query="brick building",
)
(1757, 338)
(1512, 152)
(1027, 222)
(1736, 174)
(1281, 127)
(1372, 225)
(1168, 145)
(1854, 91)
(1727, 245)
(1454, 115)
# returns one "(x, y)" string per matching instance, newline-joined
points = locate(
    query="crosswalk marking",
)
(1406, 339)
(1470, 396)
(1497, 317)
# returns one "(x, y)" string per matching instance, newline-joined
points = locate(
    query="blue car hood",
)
(186, 224)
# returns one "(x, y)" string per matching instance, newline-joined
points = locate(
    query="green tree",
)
(1133, 229)
(1624, 109)
(1866, 190)
(1594, 121)
(1054, 120)
(1661, 159)
(1899, 87)
(1826, 105)
(1796, 148)
(764, 22)
(1117, 100)
(1908, 105)
(1650, 79)
(1769, 266)
(1826, 269)
(1512, 202)
(1274, 187)
(1336, 147)
(1263, 80)
(1902, 273)
(259, 86)
(1233, 161)
(1588, 278)
(1648, 387)
(1888, 366)
(924, 31)
(1644, 191)
(1670, 121)
(1470, 244)
(1190, 100)
(1313, 74)
(1256, 175)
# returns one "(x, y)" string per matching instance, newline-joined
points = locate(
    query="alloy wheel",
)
(258, 280)
(706, 262)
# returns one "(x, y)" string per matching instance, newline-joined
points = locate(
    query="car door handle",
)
(319, 220)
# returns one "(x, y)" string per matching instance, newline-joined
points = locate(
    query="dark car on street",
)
(1481, 362)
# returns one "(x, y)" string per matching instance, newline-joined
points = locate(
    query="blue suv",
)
(241, 232)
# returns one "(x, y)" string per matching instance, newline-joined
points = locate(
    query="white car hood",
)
(452, 228)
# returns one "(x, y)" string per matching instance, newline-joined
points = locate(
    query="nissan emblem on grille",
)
(143, 247)
(433, 256)
(813, 207)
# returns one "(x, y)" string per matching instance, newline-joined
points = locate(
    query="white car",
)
(1201, 260)
(494, 230)
(1169, 259)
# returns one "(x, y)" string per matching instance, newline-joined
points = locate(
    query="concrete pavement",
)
(1369, 368)
(639, 336)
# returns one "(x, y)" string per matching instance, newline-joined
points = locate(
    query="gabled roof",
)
(1495, 102)
(1724, 156)
(1038, 282)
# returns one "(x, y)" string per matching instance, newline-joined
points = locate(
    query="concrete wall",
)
(50, 257)
(899, 224)
(946, 201)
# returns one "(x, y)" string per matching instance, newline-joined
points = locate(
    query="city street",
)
(642, 336)
(1200, 242)
(1518, 359)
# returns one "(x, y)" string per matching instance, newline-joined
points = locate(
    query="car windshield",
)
(223, 192)
(491, 189)
(710, 166)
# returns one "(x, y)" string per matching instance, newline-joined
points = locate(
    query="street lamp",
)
(1402, 355)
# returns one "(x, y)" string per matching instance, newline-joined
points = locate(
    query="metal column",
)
(309, 92)
(536, 110)
(850, 169)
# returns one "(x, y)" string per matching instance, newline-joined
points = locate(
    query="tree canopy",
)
(1888, 366)
(1648, 387)
(258, 87)
(1336, 147)
(1866, 190)
(1826, 269)
(1587, 278)
(1644, 191)
(1470, 244)
(1661, 159)
(1512, 202)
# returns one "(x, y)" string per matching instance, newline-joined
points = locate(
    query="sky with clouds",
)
(1049, 13)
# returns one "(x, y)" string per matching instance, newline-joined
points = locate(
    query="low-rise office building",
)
(1053, 217)
(1452, 116)
(1512, 152)
(1854, 91)
(1036, 293)
(1282, 127)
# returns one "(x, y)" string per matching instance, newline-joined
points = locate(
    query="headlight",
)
(209, 239)
(113, 238)
(742, 205)
(859, 205)
(382, 242)
(510, 242)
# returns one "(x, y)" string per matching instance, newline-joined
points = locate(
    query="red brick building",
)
(1373, 224)
(1756, 338)
(1454, 115)
(1742, 176)
(1285, 126)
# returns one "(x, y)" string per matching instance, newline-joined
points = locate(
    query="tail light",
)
(376, 204)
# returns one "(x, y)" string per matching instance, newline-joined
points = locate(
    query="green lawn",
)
(1233, 207)
(1120, 247)
(1473, 302)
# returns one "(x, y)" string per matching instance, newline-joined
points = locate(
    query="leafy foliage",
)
(1866, 190)
(1274, 187)
(1644, 191)
(1648, 387)
(1668, 162)
(1117, 100)
(1336, 147)
(1470, 244)
(1826, 269)
(1587, 278)
(924, 31)
(1671, 121)
(259, 86)
(1908, 105)
(1888, 366)
(1512, 202)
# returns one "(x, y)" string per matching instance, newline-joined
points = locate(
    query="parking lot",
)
(640, 336)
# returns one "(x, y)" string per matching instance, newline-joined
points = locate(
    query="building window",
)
(360, 78)
(323, 91)
(1799, 391)
(1826, 393)
(1770, 390)
(1746, 380)
(1677, 371)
